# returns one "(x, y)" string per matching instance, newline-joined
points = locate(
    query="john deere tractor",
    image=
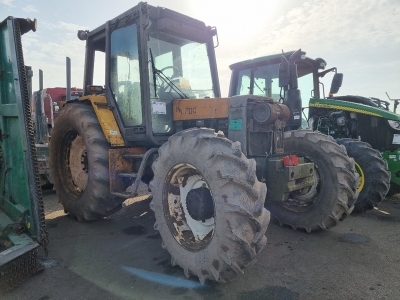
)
(364, 126)
(160, 120)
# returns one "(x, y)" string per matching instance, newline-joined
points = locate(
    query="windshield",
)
(266, 83)
(178, 69)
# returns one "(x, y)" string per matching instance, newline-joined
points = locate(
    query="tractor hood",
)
(353, 107)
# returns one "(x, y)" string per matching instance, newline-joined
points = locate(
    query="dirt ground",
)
(121, 258)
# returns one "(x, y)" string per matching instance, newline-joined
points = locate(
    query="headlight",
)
(394, 124)
(262, 112)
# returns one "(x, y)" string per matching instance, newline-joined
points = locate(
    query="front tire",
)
(79, 164)
(331, 198)
(208, 205)
(374, 181)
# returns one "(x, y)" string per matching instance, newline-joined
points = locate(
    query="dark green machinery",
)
(22, 222)
(365, 126)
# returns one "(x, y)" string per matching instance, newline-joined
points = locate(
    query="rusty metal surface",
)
(119, 164)
(17, 270)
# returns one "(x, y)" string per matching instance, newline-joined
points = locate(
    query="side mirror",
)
(336, 83)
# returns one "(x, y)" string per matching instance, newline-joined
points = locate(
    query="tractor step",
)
(129, 175)
(131, 191)
(133, 156)
(124, 195)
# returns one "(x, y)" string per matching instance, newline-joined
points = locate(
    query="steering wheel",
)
(170, 67)
(164, 86)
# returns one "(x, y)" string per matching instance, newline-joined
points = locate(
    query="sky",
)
(361, 38)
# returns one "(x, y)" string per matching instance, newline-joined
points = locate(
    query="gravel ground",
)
(121, 258)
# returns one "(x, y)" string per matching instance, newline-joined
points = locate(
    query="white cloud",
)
(29, 8)
(61, 25)
(335, 24)
(70, 26)
(360, 37)
(49, 46)
(50, 55)
(7, 2)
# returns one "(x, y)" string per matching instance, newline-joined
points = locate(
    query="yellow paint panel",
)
(339, 107)
(198, 109)
(106, 119)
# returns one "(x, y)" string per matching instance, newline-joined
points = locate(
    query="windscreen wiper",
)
(172, 85)
(154, 71)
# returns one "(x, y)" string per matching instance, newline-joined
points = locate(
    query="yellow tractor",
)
(159, 119)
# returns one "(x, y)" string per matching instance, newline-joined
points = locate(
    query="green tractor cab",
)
(364, 126)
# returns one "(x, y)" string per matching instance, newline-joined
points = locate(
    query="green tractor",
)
(22, 223)
(364, 126)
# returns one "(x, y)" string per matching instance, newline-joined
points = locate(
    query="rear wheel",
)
(331, 197)
(208, 205)
(394, 189)
(79, 164)
(374, 181)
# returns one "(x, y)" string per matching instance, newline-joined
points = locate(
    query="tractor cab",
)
(152, 56)
(260, 76)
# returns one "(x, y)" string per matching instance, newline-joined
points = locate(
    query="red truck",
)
(51, 98)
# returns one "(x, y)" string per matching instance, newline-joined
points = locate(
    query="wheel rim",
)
(361, 180)
(192, 228)
(78, 164)
(304, 199)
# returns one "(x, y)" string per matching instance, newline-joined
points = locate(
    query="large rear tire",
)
(79, 164)
(374, 181)
(208, 204)
(331, 198)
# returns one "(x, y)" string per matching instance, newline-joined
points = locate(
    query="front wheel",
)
(374, 181)
(208, 205)
(334, 192)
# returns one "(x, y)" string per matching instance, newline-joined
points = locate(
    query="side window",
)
(260, 86)
(266, 81)
(243, 85)
(125, 74)
(306, 86)
(275, 89)
(99, 73)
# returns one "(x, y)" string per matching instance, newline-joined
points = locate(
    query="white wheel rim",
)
(187, 230)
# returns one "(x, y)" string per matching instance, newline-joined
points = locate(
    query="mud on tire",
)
(332, 197)
(221, 235)
(374, 181)
(79, 164)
